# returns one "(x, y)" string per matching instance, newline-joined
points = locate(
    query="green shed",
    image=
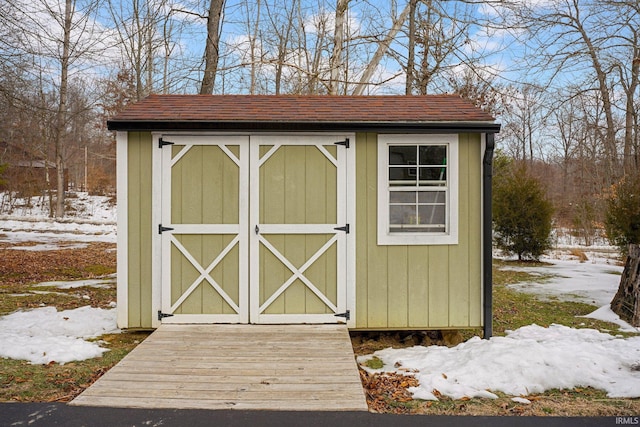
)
(369, 210)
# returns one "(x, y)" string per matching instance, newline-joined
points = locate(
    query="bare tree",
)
(411, 47)
(337, 61)
(629, 75)
(567, 36)
(135, 29)
(279, 35)
(61, 115)
(383, 47)
(212, 46)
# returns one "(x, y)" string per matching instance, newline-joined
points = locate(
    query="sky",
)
(366, 18)
(497, 52)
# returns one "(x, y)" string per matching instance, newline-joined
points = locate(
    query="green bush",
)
(622, 221)
(522, 215)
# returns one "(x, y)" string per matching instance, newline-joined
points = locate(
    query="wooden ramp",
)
(272, 367)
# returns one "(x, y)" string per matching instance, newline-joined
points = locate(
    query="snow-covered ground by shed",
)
(529, 360)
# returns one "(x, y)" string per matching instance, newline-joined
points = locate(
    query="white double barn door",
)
(254, 229)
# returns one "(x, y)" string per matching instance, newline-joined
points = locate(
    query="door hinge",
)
(162, 315)
(161, 228)
(345, 143)
(346, 315)
(162, 143)
(345, 228)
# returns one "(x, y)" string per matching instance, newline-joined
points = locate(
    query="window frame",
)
(450, 235)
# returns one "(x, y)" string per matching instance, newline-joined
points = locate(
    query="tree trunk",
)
(211, 49)
(412, 46)
(338, 40)
(629, 163)
(61, 119)
(626, 303)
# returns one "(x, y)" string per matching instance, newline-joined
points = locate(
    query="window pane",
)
(402, 155)
(432, 197)
(402, 176)
(433, 155)
(402, 214)
(433, 174)
(402, 197)
(432, 215)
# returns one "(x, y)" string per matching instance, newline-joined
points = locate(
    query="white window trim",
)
(450, 237)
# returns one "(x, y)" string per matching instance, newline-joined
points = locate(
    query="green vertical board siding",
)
(418, 286)
(397, 296)
(475, 229)
(421, 286)
(376, 256)
(365, 190)
(140, 228)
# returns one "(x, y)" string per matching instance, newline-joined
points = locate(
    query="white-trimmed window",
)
(417, 189)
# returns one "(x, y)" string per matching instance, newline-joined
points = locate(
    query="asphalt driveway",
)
(60, 414)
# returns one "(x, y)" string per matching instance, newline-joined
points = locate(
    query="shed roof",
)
(318, 112)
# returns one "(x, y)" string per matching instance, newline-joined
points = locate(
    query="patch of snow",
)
(92, 283)
(521, 400)
(82, 206)
(48, 247)
(11, 232)
(529, 360)
(588, 282)
(45, 335)
(566, 238)
(92, 219)
(606, 314)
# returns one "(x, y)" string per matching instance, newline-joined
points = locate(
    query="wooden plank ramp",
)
(268, 367)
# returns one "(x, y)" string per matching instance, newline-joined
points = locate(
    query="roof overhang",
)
(274, 126)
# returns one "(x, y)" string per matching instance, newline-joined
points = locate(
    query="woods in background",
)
(562, 77)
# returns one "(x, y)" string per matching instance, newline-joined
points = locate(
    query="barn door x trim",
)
(300, 211)
(203, 232)
(250, 238)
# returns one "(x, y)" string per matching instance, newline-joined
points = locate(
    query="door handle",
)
(257, 230)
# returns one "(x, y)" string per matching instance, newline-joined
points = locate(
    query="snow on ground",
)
(590, 282)
(109, 282)
(529, 360)
(605, 313)
(81, 206)
(46, 335)
(93, 220)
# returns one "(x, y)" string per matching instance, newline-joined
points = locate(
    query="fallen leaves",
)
(18, 267)
(19, 270)
(388, 392)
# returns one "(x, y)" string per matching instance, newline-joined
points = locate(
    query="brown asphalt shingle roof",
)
(299, 109)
